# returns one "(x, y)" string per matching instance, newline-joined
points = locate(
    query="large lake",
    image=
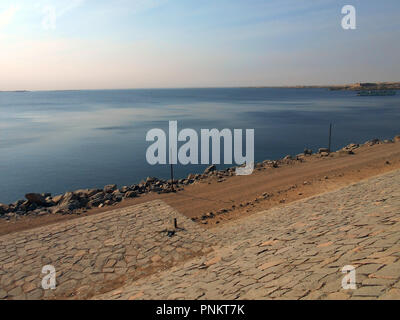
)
(66, 140)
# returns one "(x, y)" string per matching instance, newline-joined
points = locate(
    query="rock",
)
(70, 201)
(28, 206)
(288, 157)
(100, 195)
(57, 199)
(321, 150)
(124, 189)
(346, 152)
(85, 193)
(210, 169)
(69, 206)
(130, 194)
(351, 147)
(96, 199)
(396, 139)
(150, 180)
(57, 210)
(134, 187)
(3, 208)
(110, 188)
(372, 142)
(117, 196)
(94, 203)
(307, 152)
(36, 198)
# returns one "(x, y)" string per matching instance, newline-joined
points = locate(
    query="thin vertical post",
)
(172, 169)
(330, 137)
(172, 177)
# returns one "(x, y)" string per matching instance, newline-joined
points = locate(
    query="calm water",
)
(66, 140)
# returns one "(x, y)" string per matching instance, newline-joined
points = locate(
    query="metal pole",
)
(172, 178)
(330, 136)
(172, 170)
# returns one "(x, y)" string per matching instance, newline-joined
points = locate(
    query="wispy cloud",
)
(52, 12)
(7, 15)
(69, 7)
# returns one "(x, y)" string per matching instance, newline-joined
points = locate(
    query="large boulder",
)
(68, 196)
(110, 188)
(130, 194)
(97, 199)
(57, 199)
(396, 139)
(69, 202)
(117, 195)
(69, 206)
(86, 193)
(36, 198)
(27, 206)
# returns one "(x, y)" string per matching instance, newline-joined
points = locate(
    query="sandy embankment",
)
(214, 201)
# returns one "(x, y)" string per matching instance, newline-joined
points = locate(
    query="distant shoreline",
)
(342, 87)
(348, 87)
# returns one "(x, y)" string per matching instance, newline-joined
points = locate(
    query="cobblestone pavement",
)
(97, 253)
(295, 252)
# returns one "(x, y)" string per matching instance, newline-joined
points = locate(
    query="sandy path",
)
(237, 195)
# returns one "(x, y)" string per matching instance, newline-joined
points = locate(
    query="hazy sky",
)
(90, 44)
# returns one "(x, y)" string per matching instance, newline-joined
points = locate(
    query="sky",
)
(101, 44)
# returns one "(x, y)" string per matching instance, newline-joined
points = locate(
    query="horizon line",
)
(298, 86)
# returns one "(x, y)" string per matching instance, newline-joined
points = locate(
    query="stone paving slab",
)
(295, 252)
(97, 253)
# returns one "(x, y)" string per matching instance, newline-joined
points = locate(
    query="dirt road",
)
(212, 203)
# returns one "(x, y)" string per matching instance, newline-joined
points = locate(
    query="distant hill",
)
(368, 86)
(353, 87)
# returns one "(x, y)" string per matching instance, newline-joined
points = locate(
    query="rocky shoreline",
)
(80, 201)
